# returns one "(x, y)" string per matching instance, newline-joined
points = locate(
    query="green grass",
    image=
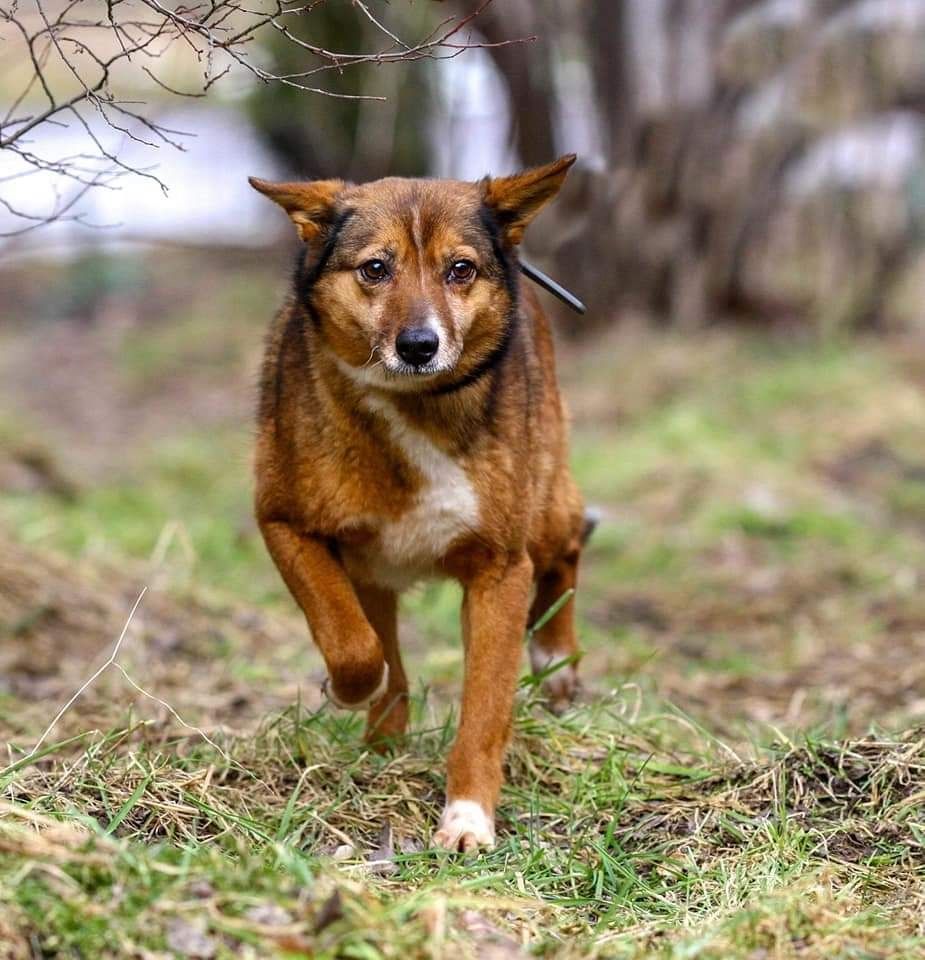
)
(596, 839)
(743, 778)
(187, 504)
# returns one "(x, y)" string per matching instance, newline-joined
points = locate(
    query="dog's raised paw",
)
(328, 690)
(465, 826)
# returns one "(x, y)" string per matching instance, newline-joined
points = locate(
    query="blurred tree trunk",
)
(611, 70)
(527, 69)
(646, 233)
(579, 232)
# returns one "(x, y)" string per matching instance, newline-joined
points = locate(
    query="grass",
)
(743, 777)
(616, 838)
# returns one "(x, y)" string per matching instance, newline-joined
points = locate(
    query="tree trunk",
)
(527, 70)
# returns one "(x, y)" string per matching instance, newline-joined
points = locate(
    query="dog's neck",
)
(456, 417)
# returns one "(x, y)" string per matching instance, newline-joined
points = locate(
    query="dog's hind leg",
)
(387, 718)
(555, 642)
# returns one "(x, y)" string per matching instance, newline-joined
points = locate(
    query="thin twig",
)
(98, 673)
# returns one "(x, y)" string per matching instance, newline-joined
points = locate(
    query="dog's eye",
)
(461, 271)
(374, 271)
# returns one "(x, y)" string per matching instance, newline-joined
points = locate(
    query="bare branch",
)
(76, 52)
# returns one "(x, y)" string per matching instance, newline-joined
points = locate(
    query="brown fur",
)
(352, 450)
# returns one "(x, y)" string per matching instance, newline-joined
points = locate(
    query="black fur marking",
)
(303, 282)
(492, 227)
(486, 366)
(495, 387)
(312, 314)
(307, 277)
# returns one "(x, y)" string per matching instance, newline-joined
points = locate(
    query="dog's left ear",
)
(310, 205)
(517, 199)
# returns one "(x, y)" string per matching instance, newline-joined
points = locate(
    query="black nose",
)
(417, 345)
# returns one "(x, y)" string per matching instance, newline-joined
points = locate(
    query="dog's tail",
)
(592, 519)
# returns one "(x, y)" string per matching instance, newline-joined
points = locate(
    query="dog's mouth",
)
(401, 370)
(397, 370)
(393, 373)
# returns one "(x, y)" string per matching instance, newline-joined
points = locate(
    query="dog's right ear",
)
(310, 205)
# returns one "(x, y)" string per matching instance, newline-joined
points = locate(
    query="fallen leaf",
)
(331, 911)
(382, 859)
(492, 943)
(269, 915)
(189, 939)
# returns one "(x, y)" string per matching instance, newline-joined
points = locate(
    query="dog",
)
(410, 426)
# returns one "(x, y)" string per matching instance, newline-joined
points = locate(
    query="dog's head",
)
(411, 283)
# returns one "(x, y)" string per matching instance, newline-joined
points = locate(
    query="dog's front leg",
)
(350, 646)
(494, 619)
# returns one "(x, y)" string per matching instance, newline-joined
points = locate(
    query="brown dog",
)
(410, 426)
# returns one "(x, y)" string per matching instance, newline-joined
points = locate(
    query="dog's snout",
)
(417, 345)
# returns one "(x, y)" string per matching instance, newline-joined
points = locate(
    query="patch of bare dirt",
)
(60, 619)
(102, 379)
(71, 385)
(789, 647)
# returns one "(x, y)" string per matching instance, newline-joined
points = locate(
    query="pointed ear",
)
(310, 205)
(517, 199)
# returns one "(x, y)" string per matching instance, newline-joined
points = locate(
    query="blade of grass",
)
(6, 774)
(551, 612)
(129, 804)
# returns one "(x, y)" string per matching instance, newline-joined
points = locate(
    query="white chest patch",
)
(445, 507)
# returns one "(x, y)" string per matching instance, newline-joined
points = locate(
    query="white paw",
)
(561, 685)
(360, 704)
(465, 826)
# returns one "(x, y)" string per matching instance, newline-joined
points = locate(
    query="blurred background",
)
(746, 224)
(740, 160)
